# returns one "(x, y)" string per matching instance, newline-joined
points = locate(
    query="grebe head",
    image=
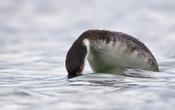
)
(75, 59)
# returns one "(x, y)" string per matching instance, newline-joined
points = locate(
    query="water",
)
(36, 34)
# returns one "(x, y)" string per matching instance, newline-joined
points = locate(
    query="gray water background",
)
(35, 36)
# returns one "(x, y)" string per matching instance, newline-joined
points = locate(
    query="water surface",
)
(36, 34)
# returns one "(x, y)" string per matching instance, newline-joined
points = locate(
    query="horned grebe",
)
(106, 51)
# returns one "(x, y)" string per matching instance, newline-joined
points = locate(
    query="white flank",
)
(104, 57)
